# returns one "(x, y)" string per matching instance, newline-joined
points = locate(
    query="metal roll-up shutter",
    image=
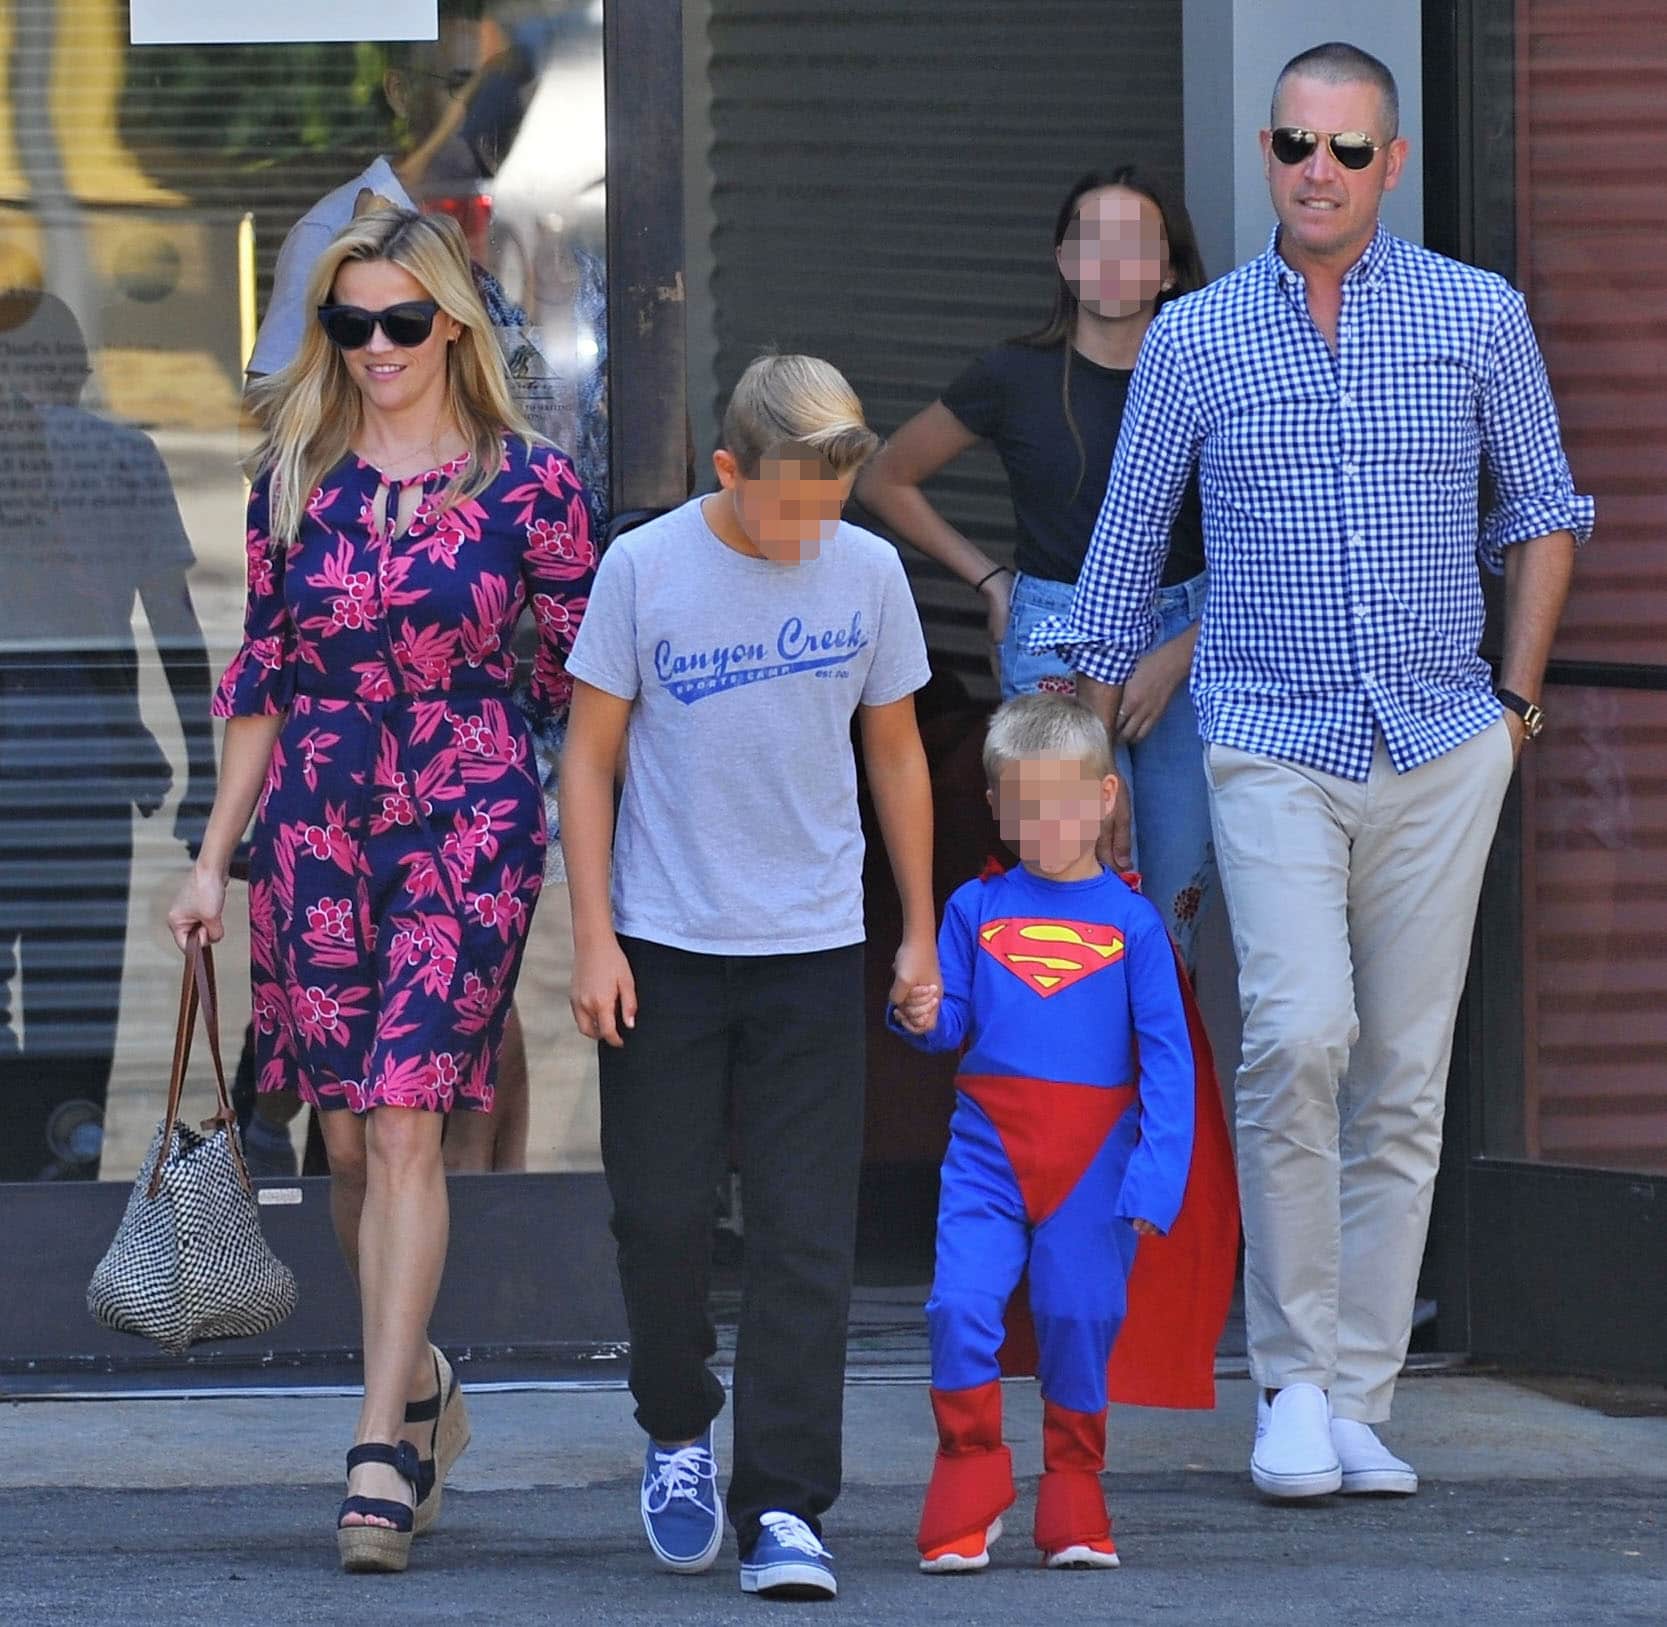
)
(885, 179)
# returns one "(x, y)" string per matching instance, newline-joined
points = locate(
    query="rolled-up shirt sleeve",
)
(1533, 490)
(1113, 619)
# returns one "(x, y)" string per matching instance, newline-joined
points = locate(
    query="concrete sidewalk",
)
(1533, 1510)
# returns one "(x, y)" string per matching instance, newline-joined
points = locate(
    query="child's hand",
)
(918, 1009)
(1145, 1228)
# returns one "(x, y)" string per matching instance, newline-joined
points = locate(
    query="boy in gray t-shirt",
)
(738, 636)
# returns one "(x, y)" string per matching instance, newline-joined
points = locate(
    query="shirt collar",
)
(1367, 270)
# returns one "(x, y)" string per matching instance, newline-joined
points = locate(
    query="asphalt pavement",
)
(1533, 1509)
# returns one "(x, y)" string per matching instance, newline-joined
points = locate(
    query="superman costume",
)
(1085, 1100)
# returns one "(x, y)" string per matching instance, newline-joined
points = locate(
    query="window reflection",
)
(1595, 957)
(88, 530)
(156, 229)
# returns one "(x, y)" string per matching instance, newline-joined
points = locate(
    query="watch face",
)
(1533, 719)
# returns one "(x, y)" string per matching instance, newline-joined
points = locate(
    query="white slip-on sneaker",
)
(1368, 1465)
(1294, 1456)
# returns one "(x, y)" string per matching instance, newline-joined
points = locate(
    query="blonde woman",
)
(401, 519)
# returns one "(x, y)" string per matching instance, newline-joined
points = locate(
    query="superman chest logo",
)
(1051, 955)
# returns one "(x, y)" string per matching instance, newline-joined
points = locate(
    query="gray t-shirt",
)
(738, 833)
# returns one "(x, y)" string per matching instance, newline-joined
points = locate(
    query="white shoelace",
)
(792, 1532)
(679, 1475)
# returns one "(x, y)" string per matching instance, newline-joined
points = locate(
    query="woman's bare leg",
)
(347, 1143)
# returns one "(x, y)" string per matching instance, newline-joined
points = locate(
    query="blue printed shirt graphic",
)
(693, 674)
(738, 831)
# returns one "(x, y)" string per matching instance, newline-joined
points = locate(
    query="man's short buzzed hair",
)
(1339, 64)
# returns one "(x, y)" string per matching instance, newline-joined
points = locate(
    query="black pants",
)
(782, 1037)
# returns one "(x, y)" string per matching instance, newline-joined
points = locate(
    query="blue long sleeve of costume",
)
(957, 946)
(1157, 1175)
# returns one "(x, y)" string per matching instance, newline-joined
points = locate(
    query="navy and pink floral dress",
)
(399, 843)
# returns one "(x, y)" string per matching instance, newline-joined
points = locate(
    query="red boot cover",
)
(972, 1475)
(1070, 1503)
(968, 1420)
(965, 1495)
(1070, 1508)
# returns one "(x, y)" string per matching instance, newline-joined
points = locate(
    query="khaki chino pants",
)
(1352, 908)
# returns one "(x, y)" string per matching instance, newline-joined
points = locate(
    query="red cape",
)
(1181, 1287)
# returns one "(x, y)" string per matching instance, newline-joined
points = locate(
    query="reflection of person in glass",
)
(88, 525)
(402, 517)
(455, 103)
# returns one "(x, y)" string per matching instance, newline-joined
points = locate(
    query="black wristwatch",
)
(1533, 719)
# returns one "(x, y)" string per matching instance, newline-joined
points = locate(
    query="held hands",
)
(603, 997)
(918, 1010)
(198, 907)
(917, 987)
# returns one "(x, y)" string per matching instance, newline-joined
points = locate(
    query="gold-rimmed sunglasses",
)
(1353, 149)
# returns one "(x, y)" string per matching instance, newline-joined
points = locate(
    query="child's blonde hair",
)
(1030, 726)
(801, 400)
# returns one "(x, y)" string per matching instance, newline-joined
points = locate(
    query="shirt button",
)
(1355, 539)
(1361, 612)
(1348, 471)
(1345, 399)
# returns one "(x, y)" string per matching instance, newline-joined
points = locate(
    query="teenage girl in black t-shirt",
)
(1051, 404)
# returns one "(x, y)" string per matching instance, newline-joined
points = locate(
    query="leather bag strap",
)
(198, 992)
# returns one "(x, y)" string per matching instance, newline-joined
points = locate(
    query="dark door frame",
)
(1538, 1265)
(530, 1285)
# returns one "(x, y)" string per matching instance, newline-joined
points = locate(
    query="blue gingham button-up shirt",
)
(1341, 527)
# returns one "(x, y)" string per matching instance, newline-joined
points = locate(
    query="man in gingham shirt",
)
(1340, 394)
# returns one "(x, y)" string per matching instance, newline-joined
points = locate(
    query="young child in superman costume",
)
(1087, 1121)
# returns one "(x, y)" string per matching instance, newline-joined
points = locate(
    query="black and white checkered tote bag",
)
(189, 1261)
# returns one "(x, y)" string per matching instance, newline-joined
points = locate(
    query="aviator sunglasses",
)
(1353, 149)
(407, 324)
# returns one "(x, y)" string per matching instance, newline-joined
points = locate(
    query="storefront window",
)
(147, 195)
(1594, 895)
(1594, 796)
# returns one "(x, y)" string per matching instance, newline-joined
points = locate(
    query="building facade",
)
(662, 190)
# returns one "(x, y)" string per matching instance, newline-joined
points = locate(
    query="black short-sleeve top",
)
(1011, 397)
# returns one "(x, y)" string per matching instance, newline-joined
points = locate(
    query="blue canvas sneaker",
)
(680, 1509)
(788, 1561)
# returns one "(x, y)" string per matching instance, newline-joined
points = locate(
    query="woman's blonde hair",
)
(310, 410)
(800, 400)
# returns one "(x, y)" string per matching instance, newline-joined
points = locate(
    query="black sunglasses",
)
(407, 324)
(1353, 149)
